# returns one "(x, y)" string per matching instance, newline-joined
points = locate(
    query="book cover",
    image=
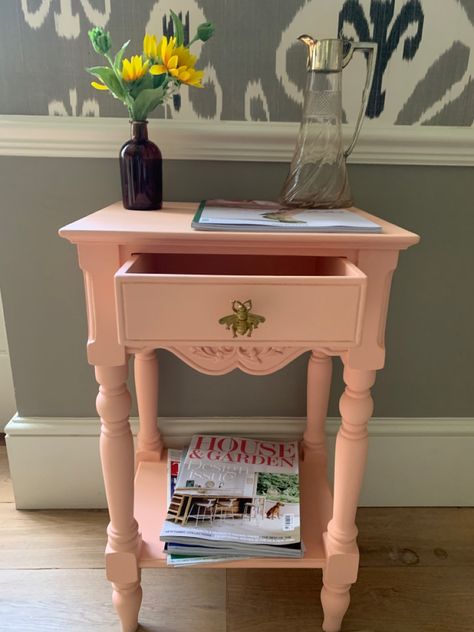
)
(261, 216)
(237, 494)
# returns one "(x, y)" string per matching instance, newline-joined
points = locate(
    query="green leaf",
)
(159, 80)
(147, 101)
(178, 29)
(119, 55)
(144, 83)
(109, 78)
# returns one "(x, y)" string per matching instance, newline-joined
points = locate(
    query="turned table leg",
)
(342, 554)
(117, 456)
(318, 389)
(146, 385)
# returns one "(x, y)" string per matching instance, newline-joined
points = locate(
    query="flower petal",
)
(98, 86)
(170, 50)
(173, 62)
(157, 69)
(153, 47)
(127, 70)
(163, 45)
(136, 62)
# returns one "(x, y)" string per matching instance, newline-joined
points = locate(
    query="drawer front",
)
(154, 307)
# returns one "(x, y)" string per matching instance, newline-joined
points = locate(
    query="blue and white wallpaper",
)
(254, 67)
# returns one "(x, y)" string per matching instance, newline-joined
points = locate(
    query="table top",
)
(172, 226)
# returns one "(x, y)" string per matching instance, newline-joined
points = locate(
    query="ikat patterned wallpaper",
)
(255, 69)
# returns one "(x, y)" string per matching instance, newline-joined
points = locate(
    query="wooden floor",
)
(417, 575)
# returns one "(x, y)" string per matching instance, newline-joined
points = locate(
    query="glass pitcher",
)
(318, 173)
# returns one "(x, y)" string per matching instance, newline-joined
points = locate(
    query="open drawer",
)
(181, 298)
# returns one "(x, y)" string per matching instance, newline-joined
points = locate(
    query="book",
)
(235, 497)
(262, 216)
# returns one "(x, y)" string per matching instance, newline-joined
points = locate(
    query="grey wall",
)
(429, 336)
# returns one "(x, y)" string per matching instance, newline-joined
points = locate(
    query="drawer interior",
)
(240, 265)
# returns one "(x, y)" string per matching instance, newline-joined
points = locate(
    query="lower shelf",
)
(316, 510)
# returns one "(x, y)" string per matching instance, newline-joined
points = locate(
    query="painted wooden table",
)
(153, 282)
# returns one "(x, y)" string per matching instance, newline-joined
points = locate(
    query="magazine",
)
(174, 460)
(261, 216)
(183, 556)
(235, 496)
(186, 560)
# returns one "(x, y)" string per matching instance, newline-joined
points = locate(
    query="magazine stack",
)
(232, 498)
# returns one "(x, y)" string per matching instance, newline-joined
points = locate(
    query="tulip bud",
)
(100, 40)
(205, 31)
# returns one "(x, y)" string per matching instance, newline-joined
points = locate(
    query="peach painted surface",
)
(324, 293)
(173, 222)
(320, 309)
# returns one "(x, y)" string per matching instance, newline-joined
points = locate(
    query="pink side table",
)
(153, 282)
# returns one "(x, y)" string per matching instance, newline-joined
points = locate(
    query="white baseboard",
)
(412, 462)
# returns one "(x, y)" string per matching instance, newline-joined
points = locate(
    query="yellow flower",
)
(169, 59)
(134, 69)
(185, 71)
(178, 62)
(184, 57)
(150, 47)
(188, 75)
(98, 86)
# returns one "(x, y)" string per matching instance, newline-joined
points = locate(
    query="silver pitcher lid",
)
(325, 55)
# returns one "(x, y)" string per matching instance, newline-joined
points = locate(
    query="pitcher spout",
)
(310, 43)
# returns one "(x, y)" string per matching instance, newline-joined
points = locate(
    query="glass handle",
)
(371, 49)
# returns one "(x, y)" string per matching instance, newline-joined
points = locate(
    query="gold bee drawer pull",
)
(241, 321)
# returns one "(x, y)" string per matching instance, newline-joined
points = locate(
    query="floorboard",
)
(79, 600)
(407, 536)
(417, 575)
(383, 600)
(6, 491)
(51, 539)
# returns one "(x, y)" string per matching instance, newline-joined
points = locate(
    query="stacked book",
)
(232, 498)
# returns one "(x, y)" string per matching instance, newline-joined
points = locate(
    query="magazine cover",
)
(235, 490)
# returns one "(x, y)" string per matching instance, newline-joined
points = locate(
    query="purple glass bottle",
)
(141, 171)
